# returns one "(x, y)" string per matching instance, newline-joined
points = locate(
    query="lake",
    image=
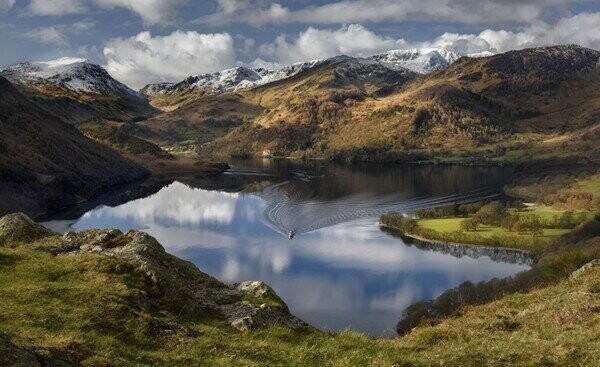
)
(340, 270)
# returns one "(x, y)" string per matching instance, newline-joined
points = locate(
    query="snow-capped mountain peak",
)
(74, 74)
(421, 61)
(238, 78)
(61, 62)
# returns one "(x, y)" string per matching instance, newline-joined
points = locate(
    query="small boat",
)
(291, 234)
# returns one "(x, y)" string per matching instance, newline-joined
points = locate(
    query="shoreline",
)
(526, 257)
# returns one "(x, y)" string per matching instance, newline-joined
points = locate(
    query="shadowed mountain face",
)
(358, 106)
(46, 164)
(77, 91)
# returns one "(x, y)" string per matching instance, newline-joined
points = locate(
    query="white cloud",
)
(50, 35)
(83, 26)
(151, 11)
(56, 7)
(248, 11)
(580, 29)
(58, 34)
(258, 12)
(143, 58)
(356, 40)
(6, 4)
(352, 40)
(248, 43)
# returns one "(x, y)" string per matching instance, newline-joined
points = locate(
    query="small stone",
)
(244, 323)
(577, 273)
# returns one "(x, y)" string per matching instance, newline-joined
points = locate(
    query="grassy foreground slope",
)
(63, 306)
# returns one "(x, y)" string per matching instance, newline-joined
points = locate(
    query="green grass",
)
(453, 224)
(591, 185)
(84, 308)
(98, 311)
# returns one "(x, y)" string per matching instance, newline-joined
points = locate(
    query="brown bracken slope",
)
(350, 108)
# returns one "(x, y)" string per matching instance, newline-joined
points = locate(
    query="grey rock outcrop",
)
(245, 306)
(587, 267)
(19, 228)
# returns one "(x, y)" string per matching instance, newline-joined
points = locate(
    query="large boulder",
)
(19, 228)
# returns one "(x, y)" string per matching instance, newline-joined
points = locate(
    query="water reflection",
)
(349, 275)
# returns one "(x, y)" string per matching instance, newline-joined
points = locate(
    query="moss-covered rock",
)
(19, 228)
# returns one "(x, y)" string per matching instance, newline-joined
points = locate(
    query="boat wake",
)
(293, 211)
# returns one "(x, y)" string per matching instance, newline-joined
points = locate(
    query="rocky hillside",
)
(77, 91)
(213, 115)
(133, 289)
(46, 164)
(169, 96)
(353, 108)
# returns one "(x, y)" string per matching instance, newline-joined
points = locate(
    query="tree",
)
(491, 214)
(509, 222)
(567, 220)
(469, 225)
(535, 225)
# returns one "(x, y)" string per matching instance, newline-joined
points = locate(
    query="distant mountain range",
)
(421, 61)
(371, 113)
(83, 93)
(405, 103)
(398, 100)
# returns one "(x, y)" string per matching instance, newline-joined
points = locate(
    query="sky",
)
(148, 41)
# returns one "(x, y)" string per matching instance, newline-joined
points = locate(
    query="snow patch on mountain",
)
(481, 54)
(235, 79)
(157, 88)
(422, 61)
(74, 74)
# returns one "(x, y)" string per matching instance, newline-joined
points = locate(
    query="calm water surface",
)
(340, 271)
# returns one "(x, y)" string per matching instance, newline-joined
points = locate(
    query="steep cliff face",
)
(46, 164)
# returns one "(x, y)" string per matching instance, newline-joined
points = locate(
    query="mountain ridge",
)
(77, 91)
(242, 77)
(474, 102)
(47, 164)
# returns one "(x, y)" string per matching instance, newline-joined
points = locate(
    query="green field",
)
(453, 224)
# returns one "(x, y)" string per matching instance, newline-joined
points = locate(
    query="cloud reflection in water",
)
(350, 275)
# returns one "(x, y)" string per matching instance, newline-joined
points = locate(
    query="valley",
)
(415, 207)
